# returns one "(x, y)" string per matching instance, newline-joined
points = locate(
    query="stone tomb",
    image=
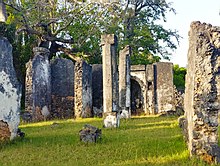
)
(10, 93)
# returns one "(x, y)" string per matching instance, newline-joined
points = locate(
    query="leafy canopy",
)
(75, 27)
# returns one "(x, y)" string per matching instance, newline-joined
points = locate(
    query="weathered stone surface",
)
(124, 82)
(151, 88)
(97, 87)
(110, 78)
(90, 134)
(83, 90)
(138, 89)
(62, 82)
(5, 133)
(38, 85)
(164, 87)
(10, 93)
(201, 102)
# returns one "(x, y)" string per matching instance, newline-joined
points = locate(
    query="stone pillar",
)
(39, 80)
(10, 93)
(164, 92)
(3, 14)
(110, 81)
(62, 83)
(124, 82)
(83, 90)
(150, 103)
(201, 102)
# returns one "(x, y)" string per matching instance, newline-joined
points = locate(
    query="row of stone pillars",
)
(116, 86)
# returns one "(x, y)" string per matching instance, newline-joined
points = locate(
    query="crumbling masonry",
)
(202, 100)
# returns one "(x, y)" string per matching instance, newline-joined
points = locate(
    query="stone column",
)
(150, 104)
(124, 82)
(110, 81)
(201, 103)
(3, 14)
(10, 93)
(41, 84)
(83, 90)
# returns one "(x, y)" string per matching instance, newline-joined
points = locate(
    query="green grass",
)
(138, 141)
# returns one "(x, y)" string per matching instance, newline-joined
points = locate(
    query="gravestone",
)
(62, 91)
(201, 101)
(10, 93)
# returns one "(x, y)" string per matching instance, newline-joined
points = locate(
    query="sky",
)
(187, 11)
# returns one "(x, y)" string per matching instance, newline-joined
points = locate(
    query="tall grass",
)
(138, 141)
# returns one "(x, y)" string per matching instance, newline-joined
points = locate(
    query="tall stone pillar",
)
(110, 81)
(202, 94)
(124, 82)
(10, 93)
(83, 90)
(150, 104)
(38, 85)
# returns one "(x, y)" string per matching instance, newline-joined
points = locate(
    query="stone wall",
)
(62, 91)
(151, 90)
(202, 92)
(97, 89)
(164, 96)
(83, 89)
(125, 82)
(138, 97)
(10, 93)
(38, 86)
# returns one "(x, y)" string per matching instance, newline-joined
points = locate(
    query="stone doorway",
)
(136, 98)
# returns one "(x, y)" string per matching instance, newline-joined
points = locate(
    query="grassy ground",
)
(139, 141)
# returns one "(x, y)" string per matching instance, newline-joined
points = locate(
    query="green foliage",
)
(179, 77)
(139, 141)
(81, 24)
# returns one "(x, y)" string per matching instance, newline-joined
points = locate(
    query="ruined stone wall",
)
(28, 92)
(97, 89)
(10, 93)
(83, 89)
(201, 102)
(150, 103)
(138, 73)
(39, 81)
(62, 92)
(125, 82)
(163, 73)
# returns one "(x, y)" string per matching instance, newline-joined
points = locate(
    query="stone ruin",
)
(152, 89)
(202, 94)
(62, 88)
(110, 81)
(10, 93)
(38, 86)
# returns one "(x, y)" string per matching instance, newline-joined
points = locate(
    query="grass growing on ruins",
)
(139, 141)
